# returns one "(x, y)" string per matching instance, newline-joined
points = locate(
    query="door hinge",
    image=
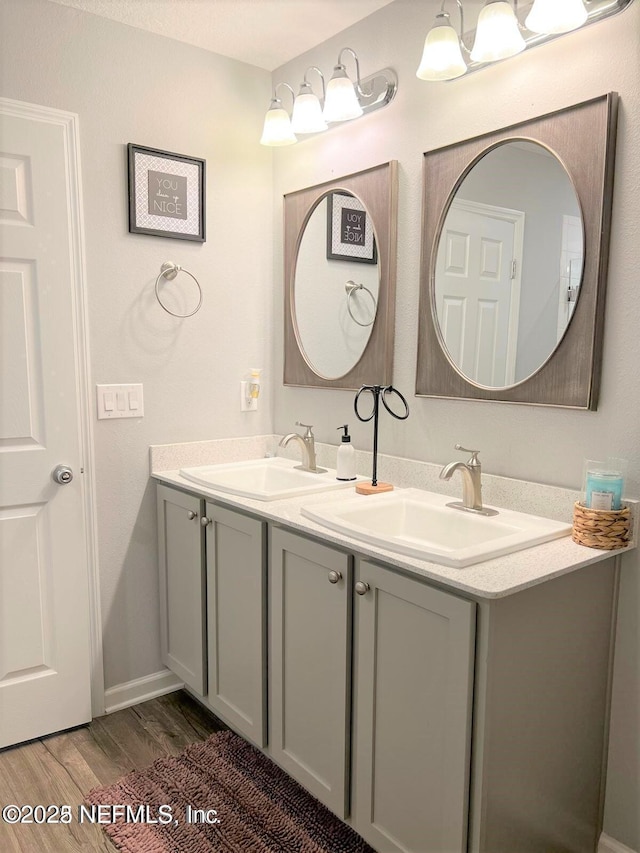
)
(514, 268)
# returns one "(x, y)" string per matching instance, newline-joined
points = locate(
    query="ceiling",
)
(266, 33)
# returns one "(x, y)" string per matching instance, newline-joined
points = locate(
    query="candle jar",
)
(603, 484)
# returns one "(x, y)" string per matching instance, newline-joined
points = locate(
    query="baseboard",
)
(610, 845)
(140, 690)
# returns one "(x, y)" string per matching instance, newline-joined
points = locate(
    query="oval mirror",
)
(508, 266)
(336, 284)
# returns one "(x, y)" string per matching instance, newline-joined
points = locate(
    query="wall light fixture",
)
(277, 128)
(500, 33)
(442, 57)
(549, 16)
(342, 100)
(307, 113)
(341, 103)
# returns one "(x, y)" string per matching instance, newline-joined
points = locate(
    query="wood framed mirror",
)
(515, 243)
(340, 275)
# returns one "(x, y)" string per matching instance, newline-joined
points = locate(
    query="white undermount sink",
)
(420, 524)
(263, 479)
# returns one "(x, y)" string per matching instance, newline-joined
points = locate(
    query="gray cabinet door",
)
(236, 611)
(412, 688)
(309, 665)
(182, 586)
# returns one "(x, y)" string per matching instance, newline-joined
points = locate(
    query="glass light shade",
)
(497, 33)
(552, 17)
(442, 57)
(341, 102)
(277, 127)
(307, 113)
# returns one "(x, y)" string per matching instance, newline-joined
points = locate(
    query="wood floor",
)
(61, 768)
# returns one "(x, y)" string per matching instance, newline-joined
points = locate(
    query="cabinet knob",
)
(362, 588)
(204, 521)
(191, 515)
(334, 577)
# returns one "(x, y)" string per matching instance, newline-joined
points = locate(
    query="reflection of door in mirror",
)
(478, 289)
(496, 333)
(333, 320)
(570, 270)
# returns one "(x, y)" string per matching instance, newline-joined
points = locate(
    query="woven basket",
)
(601, 528)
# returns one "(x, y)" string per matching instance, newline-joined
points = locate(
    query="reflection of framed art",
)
(350, 234)
(166, 194)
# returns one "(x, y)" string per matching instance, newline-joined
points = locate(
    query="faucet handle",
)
(308, 427)
(474, 454)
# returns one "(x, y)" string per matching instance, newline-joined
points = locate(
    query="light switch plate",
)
(119, 401)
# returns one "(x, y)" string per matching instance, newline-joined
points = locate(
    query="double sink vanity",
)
(436, 678)
(412, 521)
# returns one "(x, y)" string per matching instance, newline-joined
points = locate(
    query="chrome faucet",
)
(307, 444)
(471, 483)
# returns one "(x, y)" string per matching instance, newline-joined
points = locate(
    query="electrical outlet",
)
(247, 404)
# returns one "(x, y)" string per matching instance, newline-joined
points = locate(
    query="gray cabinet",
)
(407, 770)
(412, 716)
(236, 620)
(182, 586)
(431, 723)
(543, 670)
(310, 664)
(213, 606)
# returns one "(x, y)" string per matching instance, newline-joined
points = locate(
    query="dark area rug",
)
(248, 805)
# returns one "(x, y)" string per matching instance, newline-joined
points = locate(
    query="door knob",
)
(62, 474)
(362, 588)
(204, 521)
(191, 515)
(334, 576)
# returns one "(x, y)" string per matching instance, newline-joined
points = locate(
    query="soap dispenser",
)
(346, 464)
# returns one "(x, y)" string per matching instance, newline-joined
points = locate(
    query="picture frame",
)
(166, 194)
(350, 233)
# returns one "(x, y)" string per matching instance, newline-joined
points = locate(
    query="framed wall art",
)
(166, 194)
(350, 235)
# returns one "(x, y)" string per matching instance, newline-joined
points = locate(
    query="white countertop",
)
(495, 578)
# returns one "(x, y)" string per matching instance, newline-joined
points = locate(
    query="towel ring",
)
(350, 288)
(169, 270)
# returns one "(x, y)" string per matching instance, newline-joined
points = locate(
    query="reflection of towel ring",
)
(350, 288)
(169, 270)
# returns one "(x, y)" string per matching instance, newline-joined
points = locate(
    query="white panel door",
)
(477, 291)
(44, 603)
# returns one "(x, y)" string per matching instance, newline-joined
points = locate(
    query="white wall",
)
(534, 443)
(131, 86)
